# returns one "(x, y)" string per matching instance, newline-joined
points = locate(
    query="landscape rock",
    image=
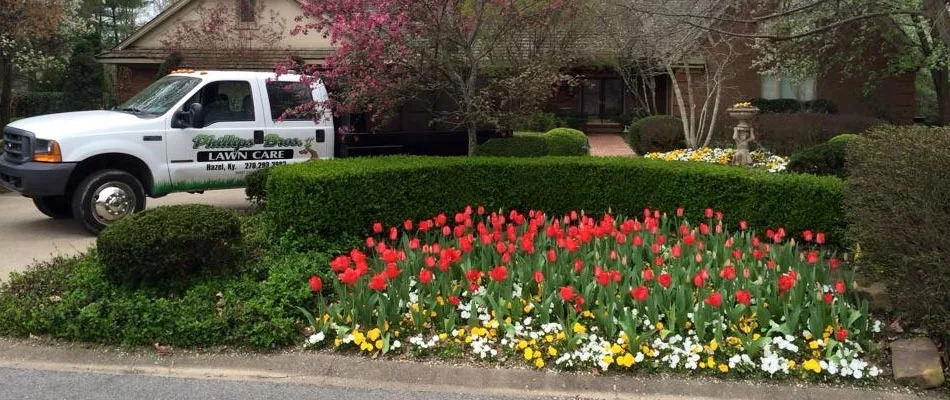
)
(917, 361)
(877, 297)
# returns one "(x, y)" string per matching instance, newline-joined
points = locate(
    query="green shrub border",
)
(319, 201)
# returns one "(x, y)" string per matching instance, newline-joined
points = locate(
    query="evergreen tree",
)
(84, 76)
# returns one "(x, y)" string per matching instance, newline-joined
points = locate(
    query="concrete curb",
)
(323, 369)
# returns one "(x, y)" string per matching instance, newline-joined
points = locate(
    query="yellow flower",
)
(659, 326)
(710, 362)
(379, 345)
(366, 346)
(561, 336)
(468, 339)
(522, 344)
(337, 342)
(756, 336)
(539, 363)
(373, 334)
(808, 336)
(442, 336)
(713, 345)
(812, 365)
(358, 338)
(439, 300)
(578, 328)
(813, 344)
(548, 338)
(528, 354)
(552, 352)
(616, 349)
(791, 363)
(608, 359)
(626, 360)
(723, 368)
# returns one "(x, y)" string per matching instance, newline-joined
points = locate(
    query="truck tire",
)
(106, 196)
(55, 207)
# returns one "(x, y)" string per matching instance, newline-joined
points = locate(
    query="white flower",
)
(316, 338)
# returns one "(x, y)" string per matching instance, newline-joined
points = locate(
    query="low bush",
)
(566, 142)
(345, 196)
(256, 189)
(824, 159)
(74, 299)
(169, 244)
(31, 104)
(655, 134)
(784, 106)
(516, 146)
(787, 133)
(898, 206)
(538, 122)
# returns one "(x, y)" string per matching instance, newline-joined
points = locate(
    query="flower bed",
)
(760, 158)
(614, 293)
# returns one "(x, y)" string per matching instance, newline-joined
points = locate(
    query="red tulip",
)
(370, 243)
(743, 297)
(567, 293)
(316, 284)
(770, 264)
(807, 235)
(647, 274)
(378, 282)
(677, 251)
(813, 257)
(425, 276)
(757, 254)
(729, 272)
(552, 256)
(743, 225)
(377, 227)
(637, 241)
(841, 334)
(349, 276)
(833, 263)
(689, 240)
(340, 263)
(499, 273)
(820, 238)
(698, 280)
(578, 265)
(829, 298)
(709, 213)
(640, 293)
(679, 211)
(393, 233)
(664, 280)
(454, 300)
(786, 282)
(839, 286)
(538, 276)
(714, 299)
(392, 271)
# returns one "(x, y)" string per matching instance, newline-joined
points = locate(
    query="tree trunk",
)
(6, 91)
(472, 137)
(941, 81)
(936, 11)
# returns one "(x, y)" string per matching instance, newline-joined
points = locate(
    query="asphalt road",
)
(27, 235)
(39, 384)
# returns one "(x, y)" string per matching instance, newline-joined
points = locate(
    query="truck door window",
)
(291, 100)
(226, 101)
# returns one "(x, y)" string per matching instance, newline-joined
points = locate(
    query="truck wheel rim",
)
(112, 201)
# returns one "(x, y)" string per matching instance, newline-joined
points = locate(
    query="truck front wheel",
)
(107, 196)
(56, 207)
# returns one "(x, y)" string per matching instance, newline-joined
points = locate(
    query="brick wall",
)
(132, 78)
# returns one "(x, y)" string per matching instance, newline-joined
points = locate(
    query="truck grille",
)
(16, 145)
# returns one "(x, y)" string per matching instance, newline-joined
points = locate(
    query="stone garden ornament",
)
(743, 133)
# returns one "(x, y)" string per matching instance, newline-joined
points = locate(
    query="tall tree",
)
(83, 86)
(487, 59)
(26, 26)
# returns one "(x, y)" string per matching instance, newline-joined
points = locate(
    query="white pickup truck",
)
(188, 132)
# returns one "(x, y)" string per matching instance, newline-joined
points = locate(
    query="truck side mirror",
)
(190, 118)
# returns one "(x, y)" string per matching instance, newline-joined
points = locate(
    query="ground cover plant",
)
(615, 293)
(760, 158)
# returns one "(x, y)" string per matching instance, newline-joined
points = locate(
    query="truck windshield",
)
(160, 96)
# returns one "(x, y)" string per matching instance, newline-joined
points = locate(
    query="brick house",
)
(600, 95)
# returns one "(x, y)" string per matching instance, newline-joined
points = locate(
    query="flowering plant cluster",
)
(760, 158)
(611, 293)
(743, 104)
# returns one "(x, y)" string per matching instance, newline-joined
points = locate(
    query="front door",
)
(218, 154)
(602, 98)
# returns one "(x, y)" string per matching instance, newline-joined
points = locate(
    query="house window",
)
(782, 86)
(246, 10)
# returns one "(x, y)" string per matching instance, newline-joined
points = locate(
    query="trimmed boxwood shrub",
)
(656, 133)
(566, 142)
(824, 159)
(320, 201)
(169, 243)
(256, 189)
(787, 133)
(516, 146)
(898, 206)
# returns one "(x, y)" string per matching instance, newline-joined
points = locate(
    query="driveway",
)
(26, 235)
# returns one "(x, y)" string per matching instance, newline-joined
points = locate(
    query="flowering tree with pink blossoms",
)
(484, 60)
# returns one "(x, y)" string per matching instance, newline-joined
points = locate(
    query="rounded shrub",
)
(169, 243)
(566, 142)
(824, 159)
(656, 133)
(516, 146)
(256, 189)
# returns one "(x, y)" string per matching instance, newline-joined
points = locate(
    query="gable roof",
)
(163, 16)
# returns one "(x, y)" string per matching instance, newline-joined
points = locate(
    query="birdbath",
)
(743, 133)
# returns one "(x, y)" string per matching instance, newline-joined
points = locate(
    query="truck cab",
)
(189, 131)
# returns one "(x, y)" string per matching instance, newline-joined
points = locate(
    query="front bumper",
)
(35, 179)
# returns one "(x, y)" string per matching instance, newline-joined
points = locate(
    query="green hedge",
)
(898, 202)
(777, 106)
(656, 133)
(824, 159)
(31, 104)
(516, 146)
(319, 201)
(170, 244)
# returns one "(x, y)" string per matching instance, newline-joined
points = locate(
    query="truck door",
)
(316, 135)
(219, 153)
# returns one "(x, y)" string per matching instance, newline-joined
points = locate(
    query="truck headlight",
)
(47, 151)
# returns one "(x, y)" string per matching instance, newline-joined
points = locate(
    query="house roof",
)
(255, 59)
